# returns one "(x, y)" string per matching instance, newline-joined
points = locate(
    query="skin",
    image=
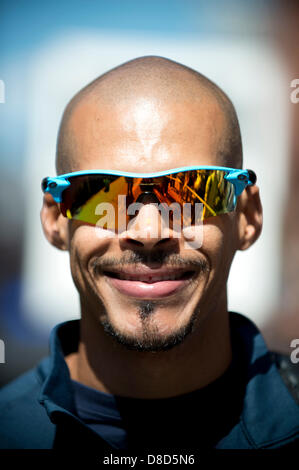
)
(152, 132)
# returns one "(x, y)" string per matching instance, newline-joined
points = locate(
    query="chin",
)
(151, 329)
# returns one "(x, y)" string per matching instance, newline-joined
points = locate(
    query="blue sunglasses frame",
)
(238, 177)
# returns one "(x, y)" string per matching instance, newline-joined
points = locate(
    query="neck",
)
(204, 356)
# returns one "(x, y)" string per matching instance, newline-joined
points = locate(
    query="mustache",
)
(154, 260)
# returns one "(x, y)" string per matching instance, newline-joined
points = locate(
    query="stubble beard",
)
(150, 339)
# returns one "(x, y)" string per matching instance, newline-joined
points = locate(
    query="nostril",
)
(164, 240)
(147, 198)
(132, 241)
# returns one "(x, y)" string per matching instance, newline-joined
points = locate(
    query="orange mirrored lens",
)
(96, 199)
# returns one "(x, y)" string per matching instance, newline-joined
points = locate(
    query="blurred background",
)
(49, 50)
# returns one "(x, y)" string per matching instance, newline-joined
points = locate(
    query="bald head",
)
(147, 87)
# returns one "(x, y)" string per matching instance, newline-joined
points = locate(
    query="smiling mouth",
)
(150, 278)
(144, 285)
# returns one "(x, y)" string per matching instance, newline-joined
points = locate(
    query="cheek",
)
(84, 242)
(218, 243)
(212, 245)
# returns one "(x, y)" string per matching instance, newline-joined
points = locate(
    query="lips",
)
(148, 284)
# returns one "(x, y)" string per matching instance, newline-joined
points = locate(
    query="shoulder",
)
(263, 358)
(24, 421)
(18, 390)
(289, 373)
(270, 415)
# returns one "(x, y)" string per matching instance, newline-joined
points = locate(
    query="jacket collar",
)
(56, 392)
(270, 415)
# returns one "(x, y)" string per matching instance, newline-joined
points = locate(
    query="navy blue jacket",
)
(37, 409)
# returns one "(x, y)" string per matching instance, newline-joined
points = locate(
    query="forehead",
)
(145, 134)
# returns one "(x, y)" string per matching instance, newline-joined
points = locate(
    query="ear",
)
(250, 217)
(55, 225)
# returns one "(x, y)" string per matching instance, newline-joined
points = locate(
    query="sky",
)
(27, 25)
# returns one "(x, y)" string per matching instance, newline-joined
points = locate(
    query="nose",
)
(147, 229)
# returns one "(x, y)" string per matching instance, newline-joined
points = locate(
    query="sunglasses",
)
(80, 193)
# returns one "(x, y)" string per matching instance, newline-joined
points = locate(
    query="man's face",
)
(112, 274)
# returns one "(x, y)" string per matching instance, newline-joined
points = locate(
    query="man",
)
(156, 360)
